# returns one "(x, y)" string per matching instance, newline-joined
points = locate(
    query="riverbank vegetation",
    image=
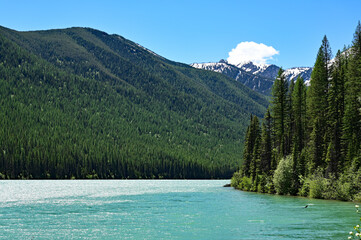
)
(308, 143)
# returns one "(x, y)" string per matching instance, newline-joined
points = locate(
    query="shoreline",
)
(297, 196)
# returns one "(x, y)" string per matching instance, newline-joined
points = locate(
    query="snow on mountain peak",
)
(212, 66)
(259, 77)
(252, 67)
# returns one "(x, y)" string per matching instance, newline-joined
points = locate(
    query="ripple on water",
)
(166, 209)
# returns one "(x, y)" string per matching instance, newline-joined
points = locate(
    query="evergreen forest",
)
(80, 103)
(309, 141)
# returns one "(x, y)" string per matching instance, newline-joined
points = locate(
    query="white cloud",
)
(258, 53)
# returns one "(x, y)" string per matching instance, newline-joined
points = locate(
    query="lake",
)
(163, 209)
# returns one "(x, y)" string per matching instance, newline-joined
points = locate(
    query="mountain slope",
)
(255, 76)
(81, 103)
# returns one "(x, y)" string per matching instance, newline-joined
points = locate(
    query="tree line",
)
(309, 142)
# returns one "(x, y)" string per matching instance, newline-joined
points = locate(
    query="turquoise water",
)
(163, 209)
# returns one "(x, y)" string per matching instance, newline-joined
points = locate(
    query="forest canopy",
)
(80, 103)
(309, 141)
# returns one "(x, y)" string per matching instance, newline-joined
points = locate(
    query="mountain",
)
(81, 103)
(256, 82)
(270, 71)
(259, 77)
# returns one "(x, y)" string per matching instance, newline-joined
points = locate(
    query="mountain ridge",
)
(259, 77)
(81, 103)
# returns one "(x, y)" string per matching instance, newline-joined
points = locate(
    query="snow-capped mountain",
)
(271, 71)
(259, 77)
(246, 76)
(294, 73)
(264, 70)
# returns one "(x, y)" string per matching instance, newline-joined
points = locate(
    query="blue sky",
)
(200, 31)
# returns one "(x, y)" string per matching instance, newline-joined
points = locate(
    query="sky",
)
(285, 33)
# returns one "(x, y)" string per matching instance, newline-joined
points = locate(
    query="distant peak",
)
(223, 61)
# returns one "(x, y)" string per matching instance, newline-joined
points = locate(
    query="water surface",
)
(163, 209)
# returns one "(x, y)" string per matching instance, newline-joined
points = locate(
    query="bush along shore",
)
(309, 142)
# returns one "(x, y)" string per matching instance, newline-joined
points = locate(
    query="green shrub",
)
(355, 185)
(271, 186)
(236, 179)
(282, 177)
(262, 184)
(330, 188)
(357, 197)
(344, 188)
(318, 185)
(343, 191)
(245, 184)
(304, 190)
(348, 186)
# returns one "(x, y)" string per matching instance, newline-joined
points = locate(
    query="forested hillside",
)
(79, 103)
(309, 143)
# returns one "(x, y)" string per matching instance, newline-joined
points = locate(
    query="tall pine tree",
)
(352, 118)
(299, 111)
(249, 152)
(318, 104)
(279, 111)
(336, 96)
(299, 136)
(289, 119)
(266, 144)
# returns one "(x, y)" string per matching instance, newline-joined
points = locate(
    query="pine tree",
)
(247, 152)
(336, 96)
(352, 118)
(289, 119)
(266, 144)
(318, 104)
(256, 157)
(250, 153)
(299, 112)
(279, 110)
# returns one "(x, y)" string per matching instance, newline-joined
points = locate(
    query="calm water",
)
(163, 209)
